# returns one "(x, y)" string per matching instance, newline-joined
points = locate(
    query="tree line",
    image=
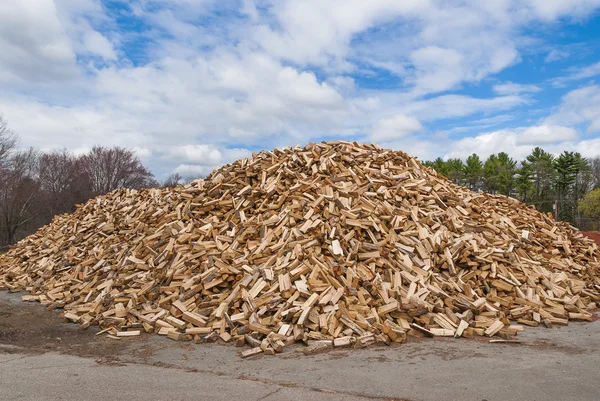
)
(35, 186)
(557, 184)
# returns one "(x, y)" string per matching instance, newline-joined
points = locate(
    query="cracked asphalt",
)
(44, 358)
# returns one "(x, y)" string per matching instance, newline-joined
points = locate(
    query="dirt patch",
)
(595, 235)
(31, 328)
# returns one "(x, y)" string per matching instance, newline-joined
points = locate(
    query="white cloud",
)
(487, 144)
(588, 148)
(544, 134)
(579, 106)
(438, 46)
(279, 73)
(511, 88)
(142, 152)
(586, 72)
(191, 171)
(205, 155)
(80, 126)
(319, 32)
(437, 69)
(423, 149)
(343, 84)
(34, 45)
(555, 55)
(451, 106)
(95, 43)
(519, 142)
(577, 73)
(551, 9)
(395, 127)
(490, 121)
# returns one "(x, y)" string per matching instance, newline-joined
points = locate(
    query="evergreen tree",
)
(440, 166)
(490, 174)
(543, 176)
(567, 167)
(541, 179)
(473, 172)
(456, 170)
(524, 182)
(499, 174)
(506, 174)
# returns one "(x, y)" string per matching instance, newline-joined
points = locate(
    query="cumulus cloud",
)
(34, 44)
(519, 142)
(191, 171)
(551, 9)
(486, 144)
(395, 127)
(95, 43)
(437, 69)
(142, 152)
(543, 134)
(193, 87)
(205, 155)
(579, 106)
(319, 32)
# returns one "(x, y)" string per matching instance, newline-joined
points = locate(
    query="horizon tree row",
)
(541, 179)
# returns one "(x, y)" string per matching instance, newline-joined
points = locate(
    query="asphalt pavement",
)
(547, 364)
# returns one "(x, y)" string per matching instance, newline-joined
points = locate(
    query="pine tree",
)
(506, 174)
(456, 170)
(473, 172)
(524, 182)
(543, 176)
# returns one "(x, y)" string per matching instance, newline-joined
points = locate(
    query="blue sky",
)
(193, 84)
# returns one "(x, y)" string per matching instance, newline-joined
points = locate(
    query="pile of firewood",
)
(334, 244)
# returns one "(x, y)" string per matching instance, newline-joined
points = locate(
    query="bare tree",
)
(595, 165)
(19, 195)
(172, 181)
(7, 141)
(63, 180)
(114, 168)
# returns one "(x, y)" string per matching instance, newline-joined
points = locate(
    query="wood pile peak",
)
(335, 244)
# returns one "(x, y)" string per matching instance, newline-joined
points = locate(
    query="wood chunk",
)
(180, 324)
(494, 328)
(390, 307)
(251, 341)
(131, 333)
(347, 341)
(163, 331)
(251, 352)
(337, 248)
(194, 319)
(461, 328)
(198, 330)
(177, 336)
(442, 332)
